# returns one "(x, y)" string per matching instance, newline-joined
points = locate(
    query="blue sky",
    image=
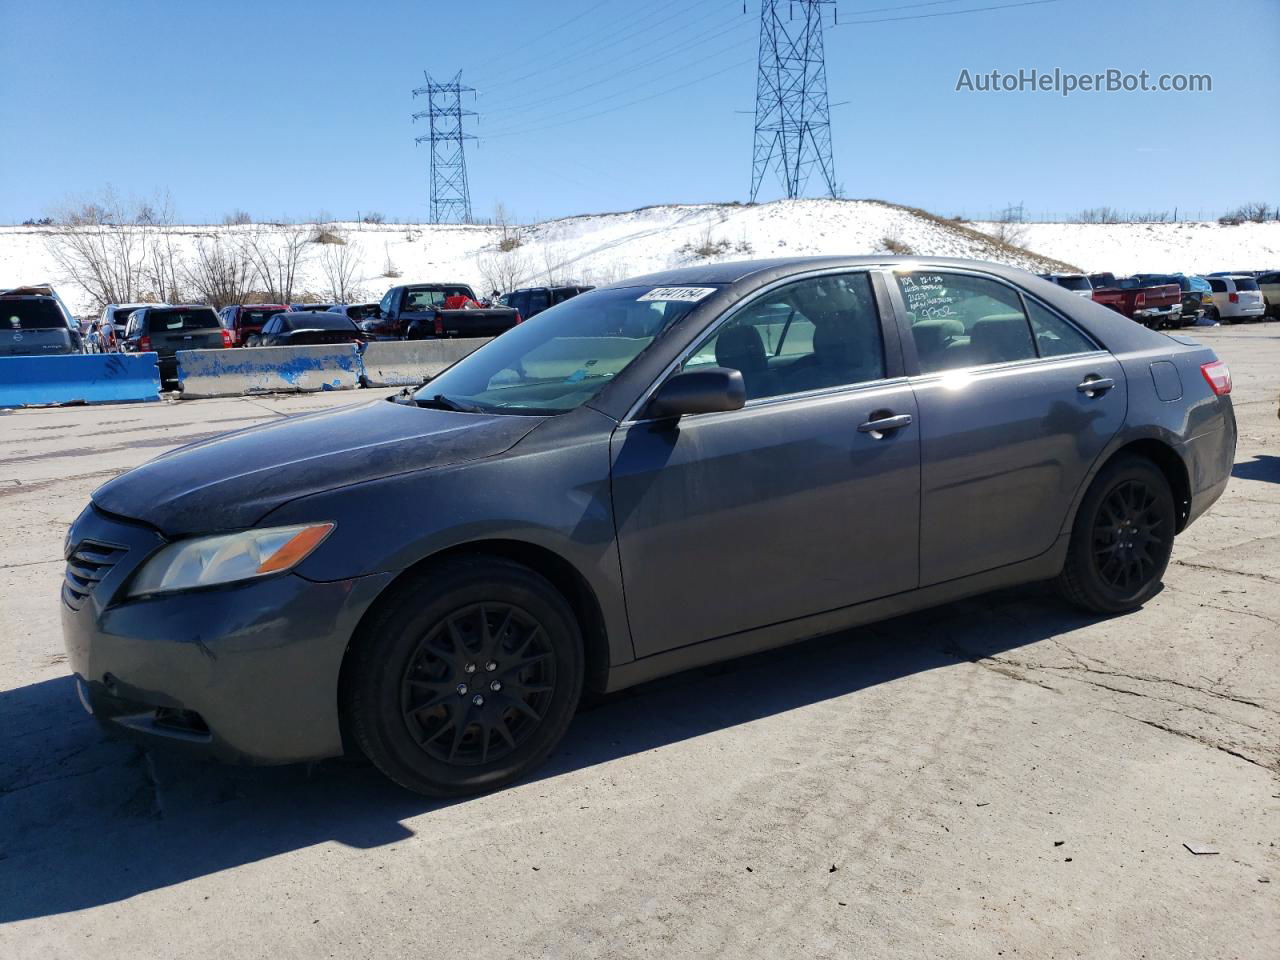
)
(289, 108)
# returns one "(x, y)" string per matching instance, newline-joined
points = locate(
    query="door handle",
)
(1095, 385)
(878, 428)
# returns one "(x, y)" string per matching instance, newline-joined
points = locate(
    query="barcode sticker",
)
(680, 294)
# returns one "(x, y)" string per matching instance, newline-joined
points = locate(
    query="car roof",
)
(765, 271)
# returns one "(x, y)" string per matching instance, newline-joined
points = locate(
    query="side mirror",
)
(706, 390)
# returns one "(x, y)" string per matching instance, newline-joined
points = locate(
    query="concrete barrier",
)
(244, 370)
(79, 378)
(394, 363)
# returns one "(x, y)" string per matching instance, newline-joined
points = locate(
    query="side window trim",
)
(1084, 334)
(890, 341)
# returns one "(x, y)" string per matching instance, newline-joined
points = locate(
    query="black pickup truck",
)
(421, 311)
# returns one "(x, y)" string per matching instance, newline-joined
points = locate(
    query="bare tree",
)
(96, 251)
(220, 273)
(277, 256)
(340, 262)
(237, 218)
(502, 271)
(510, 235)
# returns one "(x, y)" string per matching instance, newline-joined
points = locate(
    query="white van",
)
(1237, 298)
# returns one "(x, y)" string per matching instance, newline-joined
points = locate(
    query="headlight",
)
(206, 561)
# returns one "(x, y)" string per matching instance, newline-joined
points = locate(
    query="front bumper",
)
(247, 673)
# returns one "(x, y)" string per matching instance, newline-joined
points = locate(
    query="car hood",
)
(232, 481)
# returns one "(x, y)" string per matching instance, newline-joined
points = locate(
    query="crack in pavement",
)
(1265, 578)
(1200, 740)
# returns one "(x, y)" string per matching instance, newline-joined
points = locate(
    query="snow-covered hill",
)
(1125, 248)
(601, 248)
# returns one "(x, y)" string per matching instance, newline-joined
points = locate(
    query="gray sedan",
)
(670, 471)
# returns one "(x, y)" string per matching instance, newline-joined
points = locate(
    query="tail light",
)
(1140, 300)
(1218, 376)
(439, 325)
(226, 338)
(144, 344)
(1233, 297)
(519, 319)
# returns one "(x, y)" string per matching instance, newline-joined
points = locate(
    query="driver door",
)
(795, 504)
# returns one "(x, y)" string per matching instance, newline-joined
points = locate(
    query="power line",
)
(622, 106)
(950, 13)
(616, 74)
(619, 38)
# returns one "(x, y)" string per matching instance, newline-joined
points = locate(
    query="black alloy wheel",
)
(1121, 539)
(479, 684)
(463, 677)
(1131, 538)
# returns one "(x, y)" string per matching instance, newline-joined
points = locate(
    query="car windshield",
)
(30, 315)
(560, 359)
(182, 319)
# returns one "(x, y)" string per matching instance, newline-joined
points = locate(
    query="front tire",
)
(465, 678)
(1121, 539)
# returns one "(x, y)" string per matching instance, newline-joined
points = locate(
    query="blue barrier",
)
(79, 378)
(245, 370)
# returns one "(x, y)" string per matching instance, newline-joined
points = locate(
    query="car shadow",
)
(86, 820)
(1262, 467)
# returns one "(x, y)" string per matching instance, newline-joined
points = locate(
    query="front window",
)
(813, 334)
(564, 356)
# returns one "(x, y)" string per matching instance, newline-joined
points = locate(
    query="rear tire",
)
(1121, 539)
(465, 678)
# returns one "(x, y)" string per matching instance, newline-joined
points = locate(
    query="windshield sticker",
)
(677, 294)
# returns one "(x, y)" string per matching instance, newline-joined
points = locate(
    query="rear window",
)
(362, 311)
(429, 297)
(31, 315)
(256, 318)
(1269, 278)
(1245, 283)
(161, 320)
(120, 315)
(321, 321)
(1074, 283)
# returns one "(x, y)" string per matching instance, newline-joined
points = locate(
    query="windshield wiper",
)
(440, 401)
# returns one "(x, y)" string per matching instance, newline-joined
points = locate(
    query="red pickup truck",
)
(1154, 305)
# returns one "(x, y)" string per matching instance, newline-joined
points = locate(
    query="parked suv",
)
(166, 330)
(245, 320)
(1077, 283)
(117, 314)
(1237, 298)
(1269, 284)
(34, 322)
(531, 301)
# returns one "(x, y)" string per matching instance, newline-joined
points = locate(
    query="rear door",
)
(1249, 295)
(33, 326)
(790, 506)
(183, 328)
(1008, 425)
